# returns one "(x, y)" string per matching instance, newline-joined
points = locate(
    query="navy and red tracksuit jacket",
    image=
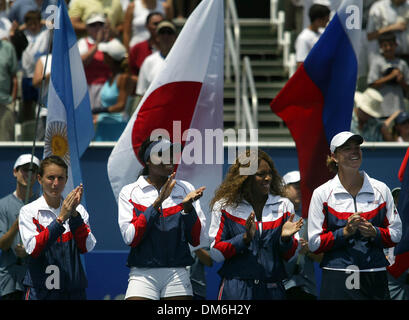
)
(158, 238)
(50, 244)
(331, 206)
(263, 258)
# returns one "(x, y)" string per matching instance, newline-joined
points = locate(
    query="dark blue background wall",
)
(106, 268)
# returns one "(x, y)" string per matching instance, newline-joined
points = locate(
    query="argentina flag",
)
(69, 127)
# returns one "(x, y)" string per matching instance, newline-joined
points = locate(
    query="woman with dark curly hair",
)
(252, 230)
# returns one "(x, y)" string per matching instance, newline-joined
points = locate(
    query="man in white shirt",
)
(319, 17)
(154, 63)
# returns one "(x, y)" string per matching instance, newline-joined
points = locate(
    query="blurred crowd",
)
(123, 44)
(381, 99)
(114, 38)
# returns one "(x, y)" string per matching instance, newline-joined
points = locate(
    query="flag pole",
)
(39, 106)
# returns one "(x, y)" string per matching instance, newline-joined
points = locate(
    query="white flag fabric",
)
(186, 100)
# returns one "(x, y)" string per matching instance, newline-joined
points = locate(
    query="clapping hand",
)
(71, 202)
(250, 228)
(352, 224)
(290, 227)
(366, 228)
(192, 197)
(165, 191)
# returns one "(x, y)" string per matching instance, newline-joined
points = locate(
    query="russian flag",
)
(317, 101)
(69, 127)
(401, 251)
(185, 100)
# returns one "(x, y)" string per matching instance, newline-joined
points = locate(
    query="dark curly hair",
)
(235, 186)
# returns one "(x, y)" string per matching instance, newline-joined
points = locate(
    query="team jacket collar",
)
(271, 200)
(145, 186)
(43, 205)
(366, 187)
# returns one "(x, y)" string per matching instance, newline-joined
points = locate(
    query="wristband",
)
(60, 221)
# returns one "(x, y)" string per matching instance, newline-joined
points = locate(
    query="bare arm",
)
(78, 25)
(127, 25)
(7, 239)
(123, 87)
(38, 74)
(204, 257)
(399, 26)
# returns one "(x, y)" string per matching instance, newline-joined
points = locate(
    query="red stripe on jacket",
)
(80, 236)
(345, 215)
(326, 238)
(290, 253)
(276, 223)
(226, 248)
(139, 223)
(41, 238)
(195, 233)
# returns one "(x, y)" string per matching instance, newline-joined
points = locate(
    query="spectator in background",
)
(363, 63)
(42, 62)
(197, 271)
(19, 9)
(141, 50)
(401, 128)
(399, 122)
(300, 283)
(135, 19)
(96, 70)
(8, 90)
(152, 65)
(366, 116)
(37, 45)
(294, 10)
(388, 16)
(390, 75)
(319, 17)
(5, 23)
(183, 8)
(12, 257)
(115, 91)
(398, 288)
(80, 11)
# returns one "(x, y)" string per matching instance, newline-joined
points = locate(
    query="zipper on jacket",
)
(355, 207)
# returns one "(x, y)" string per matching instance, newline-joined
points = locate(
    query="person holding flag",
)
(158, 216)
(351, 219)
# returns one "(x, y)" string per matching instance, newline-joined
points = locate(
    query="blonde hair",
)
(332, 165)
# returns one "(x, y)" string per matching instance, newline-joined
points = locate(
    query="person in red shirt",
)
(96, 70)
(141, 50)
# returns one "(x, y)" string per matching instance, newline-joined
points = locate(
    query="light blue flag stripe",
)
(69, 86)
